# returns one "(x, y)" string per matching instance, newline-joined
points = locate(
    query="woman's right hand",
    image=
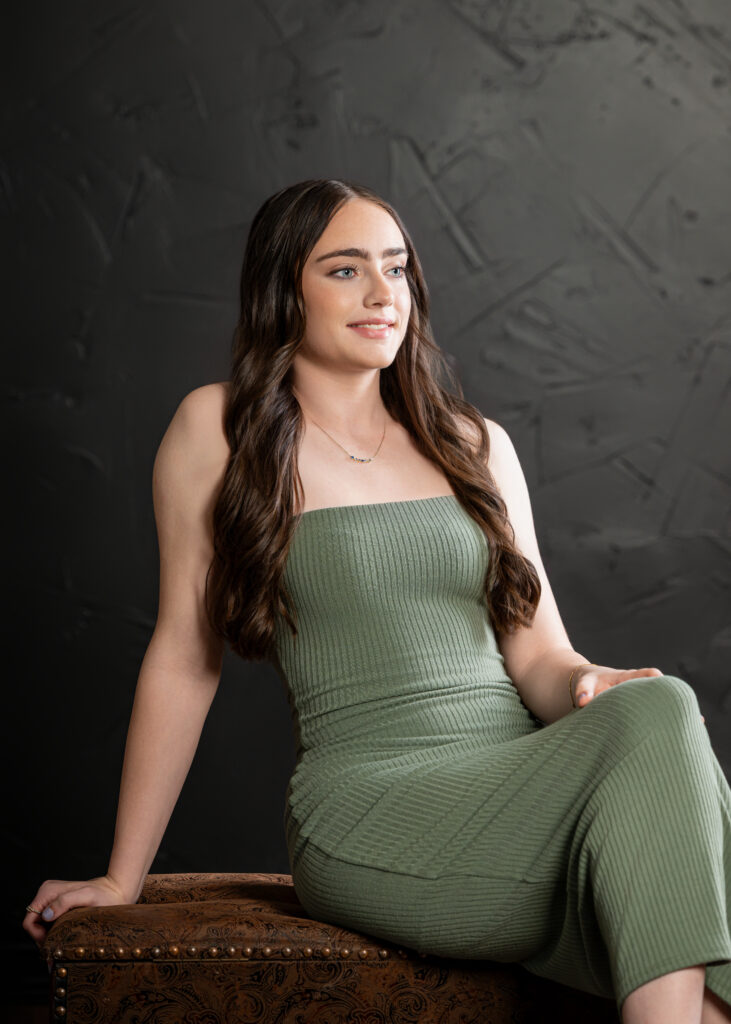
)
(55, 897)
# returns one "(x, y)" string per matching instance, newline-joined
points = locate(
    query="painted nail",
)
(47, 914)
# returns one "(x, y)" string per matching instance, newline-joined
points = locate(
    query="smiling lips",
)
(373, 320)
(375, 328)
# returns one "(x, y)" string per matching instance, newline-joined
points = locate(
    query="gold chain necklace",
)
(353, 457)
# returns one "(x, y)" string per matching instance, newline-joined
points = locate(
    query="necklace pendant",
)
(356, 459)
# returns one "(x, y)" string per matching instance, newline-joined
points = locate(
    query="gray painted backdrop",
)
(564, 170)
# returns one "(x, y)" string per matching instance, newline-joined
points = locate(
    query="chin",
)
(383, 358)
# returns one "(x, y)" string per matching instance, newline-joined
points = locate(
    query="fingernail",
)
(47, 914)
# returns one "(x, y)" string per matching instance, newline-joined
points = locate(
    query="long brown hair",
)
(261, 495)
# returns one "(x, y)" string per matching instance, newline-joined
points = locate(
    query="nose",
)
(380, 292)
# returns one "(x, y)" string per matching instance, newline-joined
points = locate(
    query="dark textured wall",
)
(565, 173)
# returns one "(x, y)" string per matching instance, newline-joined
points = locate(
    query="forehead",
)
(356, 223)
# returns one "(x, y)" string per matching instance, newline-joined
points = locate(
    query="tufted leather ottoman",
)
(234, 948)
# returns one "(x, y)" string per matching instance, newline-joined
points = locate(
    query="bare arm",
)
(182, 665)
(181, 668)
(540, 658)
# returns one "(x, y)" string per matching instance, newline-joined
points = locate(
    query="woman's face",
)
(357, 298)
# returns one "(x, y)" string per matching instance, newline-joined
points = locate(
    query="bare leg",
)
(715, 1011)
(674, 998)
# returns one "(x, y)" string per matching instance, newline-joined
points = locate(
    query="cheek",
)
(315, 306)
(323, 301)
(325, 310)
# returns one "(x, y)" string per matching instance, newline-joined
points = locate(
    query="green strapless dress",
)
(429, 807)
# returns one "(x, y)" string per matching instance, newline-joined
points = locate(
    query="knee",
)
(653, 705)
(671, 695)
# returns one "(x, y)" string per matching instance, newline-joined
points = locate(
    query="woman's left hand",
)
(589, 680)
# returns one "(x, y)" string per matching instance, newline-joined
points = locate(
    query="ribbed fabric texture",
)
(428, 805)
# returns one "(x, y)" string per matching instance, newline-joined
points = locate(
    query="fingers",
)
(81, 896)
(53, 898)
(586, 688)
(594, 682)
(33, 922)
(620, 674)
(30, 923)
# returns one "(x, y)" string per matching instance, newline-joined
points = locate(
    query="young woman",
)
(466, 784)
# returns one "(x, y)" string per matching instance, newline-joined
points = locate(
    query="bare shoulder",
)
(199, 415)
(194, 449)
(503, 456)
(502, 450)
(197, 426)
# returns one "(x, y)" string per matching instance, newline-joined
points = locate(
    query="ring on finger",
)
(32, 909)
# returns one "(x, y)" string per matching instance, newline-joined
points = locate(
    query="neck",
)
(353, 410)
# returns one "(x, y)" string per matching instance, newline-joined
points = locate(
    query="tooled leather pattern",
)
(284, 967)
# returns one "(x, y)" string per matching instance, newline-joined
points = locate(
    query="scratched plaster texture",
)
(564, 169)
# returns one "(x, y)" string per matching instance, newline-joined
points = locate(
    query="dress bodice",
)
(394, 648)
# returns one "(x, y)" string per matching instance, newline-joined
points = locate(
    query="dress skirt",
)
(599, 854)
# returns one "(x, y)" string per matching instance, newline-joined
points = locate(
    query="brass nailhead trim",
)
(60, 994)
(213, 952)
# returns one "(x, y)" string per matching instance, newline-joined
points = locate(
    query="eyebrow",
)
(360, 253)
